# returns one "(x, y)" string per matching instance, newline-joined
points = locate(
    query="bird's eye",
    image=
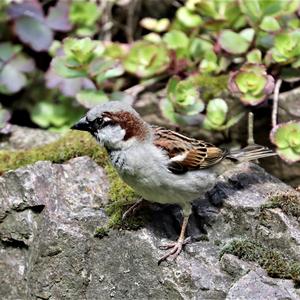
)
(99, 121)
(102, 122)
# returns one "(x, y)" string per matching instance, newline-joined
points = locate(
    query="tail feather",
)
(251, 152)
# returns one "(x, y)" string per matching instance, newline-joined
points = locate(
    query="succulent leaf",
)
(184, 96)
(91, 98)
(216, 111)
(286, 47)
(254, 56)
(269, 24)
(251, 83)
(233, 42)
(147, 59)
(176, 39)
(188, 18)
(286, 137)
(155, 25)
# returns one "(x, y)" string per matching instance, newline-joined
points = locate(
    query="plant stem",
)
(250, 129)
(275, 102)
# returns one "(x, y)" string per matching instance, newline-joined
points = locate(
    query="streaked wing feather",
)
(186, 153)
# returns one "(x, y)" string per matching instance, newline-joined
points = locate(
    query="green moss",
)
(101, 232)
(211, 86)
(74, 144)
(273, 261)
(288, 202)
(120, 195)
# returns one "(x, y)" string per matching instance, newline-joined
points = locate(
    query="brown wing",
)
(186, 153)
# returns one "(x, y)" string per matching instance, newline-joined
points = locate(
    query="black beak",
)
(83, 125)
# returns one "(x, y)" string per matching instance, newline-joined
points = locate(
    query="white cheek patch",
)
(111, 136)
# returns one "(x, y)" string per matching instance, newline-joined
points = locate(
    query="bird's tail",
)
(251, 152)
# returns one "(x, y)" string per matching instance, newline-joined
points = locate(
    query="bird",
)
(161, 165)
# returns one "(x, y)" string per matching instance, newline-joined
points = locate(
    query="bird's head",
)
(115, 125)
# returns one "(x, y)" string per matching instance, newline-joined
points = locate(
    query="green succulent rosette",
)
(146, 59)
(185, 96)
(286, 137)
(251, 83)
(183, 101)
(286, 47)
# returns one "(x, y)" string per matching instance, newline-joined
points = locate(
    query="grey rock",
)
(289, 105)
(49, 212)
(235, 266)
(25, 138)
(257, 285)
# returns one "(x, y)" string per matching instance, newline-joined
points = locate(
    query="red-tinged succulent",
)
(251, 83)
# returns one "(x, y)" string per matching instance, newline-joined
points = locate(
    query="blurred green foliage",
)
(61, 57)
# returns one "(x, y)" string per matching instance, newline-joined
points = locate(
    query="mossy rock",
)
(288, 202)
(274, 262)
(74, 144)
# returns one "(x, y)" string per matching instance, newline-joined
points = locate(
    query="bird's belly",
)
(154, 182)
(164, 191)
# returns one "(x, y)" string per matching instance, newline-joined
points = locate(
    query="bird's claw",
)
(176, 249)
(132, 209)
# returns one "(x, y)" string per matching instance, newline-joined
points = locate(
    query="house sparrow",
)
(159, 164)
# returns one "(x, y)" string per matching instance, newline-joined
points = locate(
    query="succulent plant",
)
(78, 53)
(203, 38)
(176, 39)
(83, 50)
(185, 96)
(236, 43)
(14, 66)
(147, 59)
(286, 47)
(255, 10)
(251, 83)
(183, 99)
(209, 63)
(90, 98)
(216, 117)
(269, 24)
(286, 137)
(188, 18)
(102, 69)
(56, 116)
(160, 25)
(84, 15)
(254, 56)
(199, 47)
(218, 14)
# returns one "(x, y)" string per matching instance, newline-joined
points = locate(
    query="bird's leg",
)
(131, 210)
(176, 246)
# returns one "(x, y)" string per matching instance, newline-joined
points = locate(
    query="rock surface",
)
(25, 138)
(49, 212)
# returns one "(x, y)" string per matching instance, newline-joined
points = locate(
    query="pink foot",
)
(176, 248)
